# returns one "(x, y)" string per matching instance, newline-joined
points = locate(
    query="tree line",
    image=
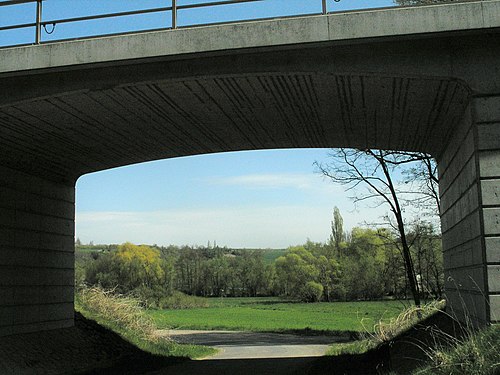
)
(363, 264)
(397, 259)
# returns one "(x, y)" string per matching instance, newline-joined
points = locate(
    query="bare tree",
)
(374, 170)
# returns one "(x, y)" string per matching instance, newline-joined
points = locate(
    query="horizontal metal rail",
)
(15, 2)
(173, 8)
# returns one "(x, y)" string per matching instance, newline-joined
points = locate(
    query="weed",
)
(476, 353)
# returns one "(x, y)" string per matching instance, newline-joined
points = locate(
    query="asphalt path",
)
(253, 345)
(252, 353)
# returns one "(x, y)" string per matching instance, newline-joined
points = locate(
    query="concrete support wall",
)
(487, 114)
(36, 253)
(470, 196)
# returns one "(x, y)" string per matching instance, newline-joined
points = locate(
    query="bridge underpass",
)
(422, 78)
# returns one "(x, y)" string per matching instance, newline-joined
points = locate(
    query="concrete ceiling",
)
(64, 136)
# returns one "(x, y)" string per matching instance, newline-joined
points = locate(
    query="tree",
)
(374, 170)
(294, 270)
(311, 292)
(363, 265)
(338, 235)
(427, 252)
(328, 275)
(133, 268)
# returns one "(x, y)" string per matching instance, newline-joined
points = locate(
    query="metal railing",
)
(174, 7)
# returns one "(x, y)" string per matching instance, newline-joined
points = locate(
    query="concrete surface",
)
(352, 25)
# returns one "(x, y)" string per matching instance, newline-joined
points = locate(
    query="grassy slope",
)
(162, 347)
(267, 314)
(477, 354)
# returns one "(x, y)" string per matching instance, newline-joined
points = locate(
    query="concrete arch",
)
(63, 136)
(71, 108)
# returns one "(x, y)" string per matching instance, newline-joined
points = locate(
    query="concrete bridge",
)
(419, 78)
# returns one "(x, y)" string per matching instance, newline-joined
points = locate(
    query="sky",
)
(250, 199)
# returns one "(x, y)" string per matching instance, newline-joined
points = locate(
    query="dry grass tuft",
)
(476, 353)
(387, 330)
(124, 311)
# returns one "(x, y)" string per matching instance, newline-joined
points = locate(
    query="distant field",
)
(273, 314)
(270, 255)
(90, 248)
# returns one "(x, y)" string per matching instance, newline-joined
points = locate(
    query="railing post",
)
(38, 31)
(324, 10)
(174, 14)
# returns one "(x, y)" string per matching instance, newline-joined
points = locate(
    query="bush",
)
(179, 300)
(151, 297)
(312, 292)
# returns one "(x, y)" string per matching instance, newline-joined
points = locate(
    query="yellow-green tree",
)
(139, 265)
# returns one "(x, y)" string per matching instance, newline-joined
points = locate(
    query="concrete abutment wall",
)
(36, 253)
(470, 217)
(395, 78)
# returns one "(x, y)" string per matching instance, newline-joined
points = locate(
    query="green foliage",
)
(270, 255)
(365, 265)
(312, 292)
(132, 268)
(338, 236)
(221, 272)
(355, 347)
(179, 301)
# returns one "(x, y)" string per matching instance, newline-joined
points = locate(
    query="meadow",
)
(277, 315)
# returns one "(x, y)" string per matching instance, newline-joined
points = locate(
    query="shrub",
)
(151, 297)
(179, 300)
(312, 292)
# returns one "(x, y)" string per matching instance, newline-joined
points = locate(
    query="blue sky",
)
(267, 199)
(241, 199)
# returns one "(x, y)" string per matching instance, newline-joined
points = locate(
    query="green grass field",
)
(275, 315)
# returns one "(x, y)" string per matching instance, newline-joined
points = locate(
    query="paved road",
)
(248, 353)
(252, 345)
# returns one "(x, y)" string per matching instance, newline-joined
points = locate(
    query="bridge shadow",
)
(276, 366)
(88, 348)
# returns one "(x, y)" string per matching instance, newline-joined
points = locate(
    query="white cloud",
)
(304, 182)
(274, 227)
(298, 181)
